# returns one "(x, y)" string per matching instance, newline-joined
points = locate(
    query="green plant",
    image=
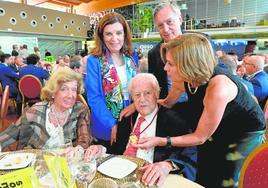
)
(143, 18)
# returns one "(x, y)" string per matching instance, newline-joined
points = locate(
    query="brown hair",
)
(112, 18)
(193, 56)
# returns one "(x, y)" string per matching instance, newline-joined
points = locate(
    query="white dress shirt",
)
(147, 154)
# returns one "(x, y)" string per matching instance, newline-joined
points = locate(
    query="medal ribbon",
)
(132, 128)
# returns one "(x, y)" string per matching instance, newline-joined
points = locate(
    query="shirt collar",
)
(254, 74)
(150, 116)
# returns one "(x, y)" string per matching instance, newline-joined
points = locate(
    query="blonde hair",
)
(193, 56)
(57, 79)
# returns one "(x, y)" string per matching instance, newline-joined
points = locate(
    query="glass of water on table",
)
(85, 171)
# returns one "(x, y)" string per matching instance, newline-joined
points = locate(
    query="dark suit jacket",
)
(39, 72)
(168, 123)
(156, 67)
(260, 85)
(9, 77)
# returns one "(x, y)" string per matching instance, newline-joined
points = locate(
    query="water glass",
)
(131, 182)
(103, 183)
(85, 171)
(131, 185)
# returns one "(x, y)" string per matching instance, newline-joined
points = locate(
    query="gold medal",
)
(133, 139)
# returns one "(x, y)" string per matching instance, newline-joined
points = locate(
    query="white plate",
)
(117, 167)
(16, 160)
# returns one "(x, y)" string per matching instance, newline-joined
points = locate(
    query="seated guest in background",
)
(32, 69)
(157, 121)
(18, 64)
(9, 77)
(66, 59)
(241, 71)
(75, 64)
(254, 68)
(143, 65)
(59, 117)
(59, 64)
(265, 56)
(231, 65)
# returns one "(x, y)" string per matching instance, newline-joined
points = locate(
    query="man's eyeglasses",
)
(247, 64)
(145, 94)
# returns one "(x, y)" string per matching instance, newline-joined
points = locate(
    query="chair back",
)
(30, 89)
(254, 172)
(265, 110)
(81, 99)
(4, 106)
(1, 89)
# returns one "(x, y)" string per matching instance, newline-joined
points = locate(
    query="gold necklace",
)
(190, 90)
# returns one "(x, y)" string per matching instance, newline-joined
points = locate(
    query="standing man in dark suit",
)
(167, 18)
(157, 121)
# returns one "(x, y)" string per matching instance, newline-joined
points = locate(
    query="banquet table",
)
(171, 181)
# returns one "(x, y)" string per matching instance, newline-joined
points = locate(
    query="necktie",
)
(132, 151)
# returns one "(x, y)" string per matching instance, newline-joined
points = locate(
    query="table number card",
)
(24, 178)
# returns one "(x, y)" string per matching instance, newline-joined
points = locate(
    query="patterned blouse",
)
(30, 128)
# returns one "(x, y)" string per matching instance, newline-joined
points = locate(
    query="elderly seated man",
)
(254, 68)
(153, 120)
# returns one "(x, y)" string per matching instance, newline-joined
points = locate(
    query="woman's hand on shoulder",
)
(164, 102)
(127, 111)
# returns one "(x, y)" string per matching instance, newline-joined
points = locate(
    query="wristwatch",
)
(169, 145)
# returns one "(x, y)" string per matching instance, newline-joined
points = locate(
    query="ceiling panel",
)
(83, 7)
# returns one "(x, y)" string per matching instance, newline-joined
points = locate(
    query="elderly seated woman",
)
(57, 118)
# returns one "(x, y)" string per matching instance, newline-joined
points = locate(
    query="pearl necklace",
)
(60, 117)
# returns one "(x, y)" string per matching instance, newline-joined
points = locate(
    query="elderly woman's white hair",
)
(142, 78)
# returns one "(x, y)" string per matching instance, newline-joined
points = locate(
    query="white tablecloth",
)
(173, 181)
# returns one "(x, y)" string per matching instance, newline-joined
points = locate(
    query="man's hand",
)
(155, 173)
(127, 111)
(113, 134)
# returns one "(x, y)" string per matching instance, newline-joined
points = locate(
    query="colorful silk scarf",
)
(111, 82)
